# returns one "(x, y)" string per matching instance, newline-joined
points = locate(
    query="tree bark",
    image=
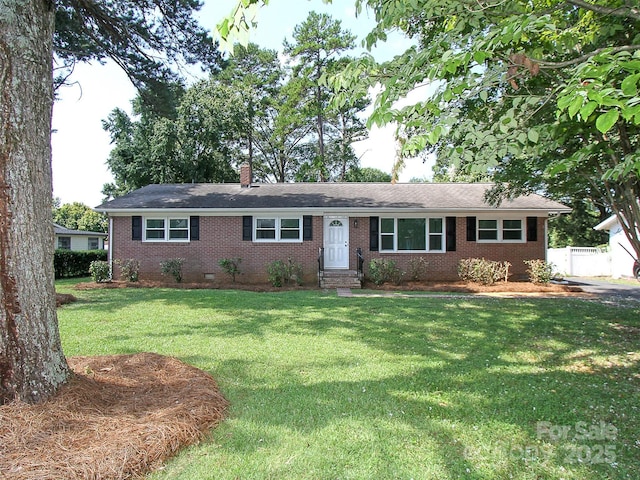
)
(32, 365)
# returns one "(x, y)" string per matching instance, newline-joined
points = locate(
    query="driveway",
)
(607, 289)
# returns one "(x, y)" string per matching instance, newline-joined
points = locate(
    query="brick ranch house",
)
(322, 223)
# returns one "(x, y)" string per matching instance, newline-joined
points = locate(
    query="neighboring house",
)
(261, 223)
(621, 260)
(66, 239)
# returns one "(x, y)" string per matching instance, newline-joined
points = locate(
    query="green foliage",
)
(367, 174)
(539, 271)
(576, 228)
(173, 267)
(197, 142)
(129, 269)
(231, 266)
(100, 271)
(418, 267)
(78, 216)
(146, 39)
(315, 52)
(284, 273)
(75, 263)
(485, 272)
(382, 270)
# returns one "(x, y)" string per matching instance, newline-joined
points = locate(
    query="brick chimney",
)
(245, 175)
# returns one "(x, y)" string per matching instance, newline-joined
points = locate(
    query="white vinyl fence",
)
(580, 261)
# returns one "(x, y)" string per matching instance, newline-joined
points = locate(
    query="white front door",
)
(336, 242)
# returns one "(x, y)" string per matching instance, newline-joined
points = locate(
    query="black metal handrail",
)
(320, 265)
(360, 259)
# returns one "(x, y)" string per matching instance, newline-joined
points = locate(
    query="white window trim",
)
(278, 227)
(428, 234)
(500, 221)
(167, 222)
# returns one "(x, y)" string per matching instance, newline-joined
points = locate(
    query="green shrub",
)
(99, 270)
(418, 268)
(75, 263)
(382, 271)
(129, 269)
(539, 271)
(485, 272)
(231, 266)
(172, 267)
(284, 273)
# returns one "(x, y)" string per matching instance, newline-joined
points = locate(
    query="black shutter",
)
(451, 234)
(373, 233)
(532, 229)
(247, 228)
(471, 229)
(136, 227)
(307, 227)
(194, 227)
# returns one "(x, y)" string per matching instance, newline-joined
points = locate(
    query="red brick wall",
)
(443, 266)
(221, 237)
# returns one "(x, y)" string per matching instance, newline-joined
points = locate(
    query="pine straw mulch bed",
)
(119, 417)
(526, 288)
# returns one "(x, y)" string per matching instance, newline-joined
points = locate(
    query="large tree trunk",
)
(32, 364)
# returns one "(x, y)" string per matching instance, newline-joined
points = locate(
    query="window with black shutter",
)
(247, 228)
(307, 227)
(373, 233)
(194, 227)
(532, 229)
(451, 234)
(471, 229)
(136, 227)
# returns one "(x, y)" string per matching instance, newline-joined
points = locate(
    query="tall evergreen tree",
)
(316, 47)
(134, 34)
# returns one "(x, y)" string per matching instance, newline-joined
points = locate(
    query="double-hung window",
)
(488, 230)
(512, 230)
(505, 230)
(411, 234)
(179, 229)
(64, 243)
(278, 229)
(166, 229)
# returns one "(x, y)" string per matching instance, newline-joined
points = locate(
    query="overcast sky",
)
(81, 146)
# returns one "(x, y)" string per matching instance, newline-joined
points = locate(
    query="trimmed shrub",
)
(129, 269)
(485, 272)
(284, 273)
(383, 271)
(99, 271)
(173, 267)
(539, 271)
(75, 263)
(231, 266)
(418, 268)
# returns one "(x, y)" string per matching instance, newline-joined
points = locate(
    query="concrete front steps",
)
(340, 279)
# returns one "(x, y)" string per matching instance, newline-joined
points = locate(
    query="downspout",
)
(110, 250)
(546, 239)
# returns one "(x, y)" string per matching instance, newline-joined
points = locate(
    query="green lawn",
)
(323, 387)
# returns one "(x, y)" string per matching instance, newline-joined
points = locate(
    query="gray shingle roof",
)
(347, 196)
(60, 230)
